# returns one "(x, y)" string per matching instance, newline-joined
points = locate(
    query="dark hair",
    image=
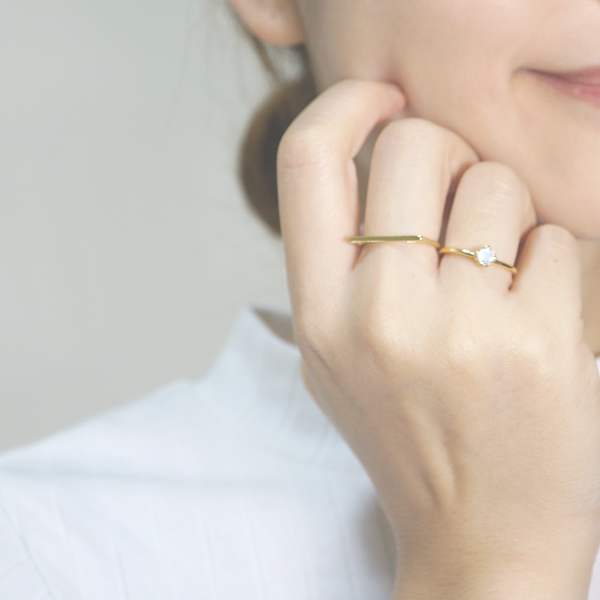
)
(257, 158)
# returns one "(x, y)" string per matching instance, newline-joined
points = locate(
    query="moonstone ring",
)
(484, 257)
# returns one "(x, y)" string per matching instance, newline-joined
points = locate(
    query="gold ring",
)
(484, 257)
(411, 239)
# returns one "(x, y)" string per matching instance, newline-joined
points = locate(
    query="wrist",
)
(479, 578)
(462, 559)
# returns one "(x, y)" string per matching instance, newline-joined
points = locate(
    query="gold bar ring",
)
(484, 257)
(411, 239)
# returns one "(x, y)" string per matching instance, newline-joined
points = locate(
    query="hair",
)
(257, 155)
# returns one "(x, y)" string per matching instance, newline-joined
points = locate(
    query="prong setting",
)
(485, 256)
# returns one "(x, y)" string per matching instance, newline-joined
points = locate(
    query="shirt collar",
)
(256, 386)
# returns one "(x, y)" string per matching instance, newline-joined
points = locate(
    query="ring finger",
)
(492, 207)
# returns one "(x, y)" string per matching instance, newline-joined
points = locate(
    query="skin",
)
(461, 65)
(426, 366)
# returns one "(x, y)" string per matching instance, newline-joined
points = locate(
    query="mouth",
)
(583, 85)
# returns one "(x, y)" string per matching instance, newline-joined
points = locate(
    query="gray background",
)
(126, 248)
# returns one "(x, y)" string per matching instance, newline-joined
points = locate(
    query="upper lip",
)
(587, 76)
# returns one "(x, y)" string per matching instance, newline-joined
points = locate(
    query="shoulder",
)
(173, 429)
(109, 440)
(41, 486)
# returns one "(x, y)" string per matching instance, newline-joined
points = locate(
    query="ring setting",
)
(484, 256)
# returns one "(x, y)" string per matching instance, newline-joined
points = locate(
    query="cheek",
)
(459, 61)
(430, 47)
(510, 120)
(456, 56)
(451, 53)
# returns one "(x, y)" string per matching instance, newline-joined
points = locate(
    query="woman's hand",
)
(471, 399)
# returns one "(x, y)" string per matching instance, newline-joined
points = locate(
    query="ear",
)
(276, 22)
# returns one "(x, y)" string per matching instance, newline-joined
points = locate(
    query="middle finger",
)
(413, 166)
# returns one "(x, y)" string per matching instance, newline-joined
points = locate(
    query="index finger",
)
(317, 185)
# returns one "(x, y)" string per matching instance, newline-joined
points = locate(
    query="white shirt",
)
(234, 487)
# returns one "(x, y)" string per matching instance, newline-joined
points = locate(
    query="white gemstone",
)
(485, 256)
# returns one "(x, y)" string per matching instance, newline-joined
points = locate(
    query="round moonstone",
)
(485, 256)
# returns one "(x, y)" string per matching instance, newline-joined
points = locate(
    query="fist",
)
(468, 393)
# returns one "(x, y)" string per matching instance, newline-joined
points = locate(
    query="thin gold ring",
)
(484, 257)
(411, 239)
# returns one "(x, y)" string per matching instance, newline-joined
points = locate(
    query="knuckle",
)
(528, 357)
(502, 185)
(470, 360)
(414, 132)
(471, 339)
(381, 334)
(500, 178)
(419, 142)
(558, 236)
(463, 347)
(558, 243)
(476, 353)
(306, 145)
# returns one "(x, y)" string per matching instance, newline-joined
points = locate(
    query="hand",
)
(471, 399)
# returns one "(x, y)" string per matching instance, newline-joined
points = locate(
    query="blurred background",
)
(126, 247)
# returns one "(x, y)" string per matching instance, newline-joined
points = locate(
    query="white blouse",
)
(234, 487)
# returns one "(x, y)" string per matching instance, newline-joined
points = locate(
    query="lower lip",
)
(579, 91)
